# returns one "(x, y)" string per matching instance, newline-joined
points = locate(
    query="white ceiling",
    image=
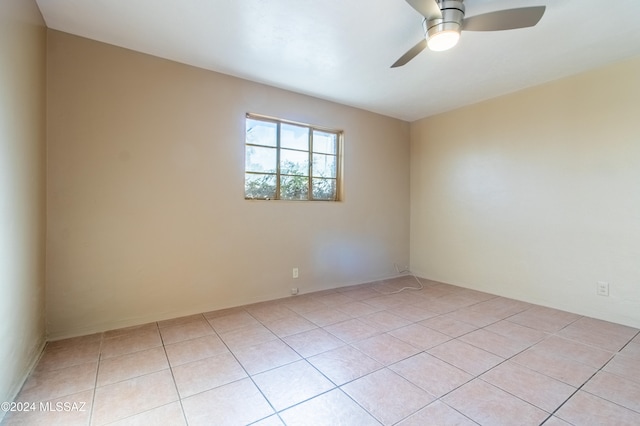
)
(341, 50)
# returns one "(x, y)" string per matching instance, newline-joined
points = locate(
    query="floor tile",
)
(265, 356)
(134, 396)
(431, 374)
(291, 325)
(362, 293)
(624, 366)
(123, 367)
(466, 357)
(269, 311)
(269, 421)
(387, 301)
(475, 295)
(489, 405)
(475, 318)
(494, 343)
(189, 330)
(234, 310)
(47, 385)
(544, 319)
(194, 349)
(232, 321)
(457, 300)
(358, 309)
(326, 316)
(555, 421)
(605, 327)
(615, 389)
(412, 313)
(437, 414)
(233, 404)
(170, 414)
(387, 396)
(553, 365)
(351, 330)
(134, 341)
(208, 373)
(589, 355)
(535, 388)
(631, 350)
(501, 307)
(344, 364)
(384, 321)
(331, 408)
(433, 305)
(586, 409)
(313, 342)
(179, 320)
(448, 326)
(302, 304)
(385, 348)
(334, 299)
(517, 332)
(56, 357)
(420, 336)
(247, 336)
(75, 341)
(291, 384)
(135, 329)
(602, 334)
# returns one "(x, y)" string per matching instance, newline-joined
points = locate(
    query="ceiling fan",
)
(444, 19)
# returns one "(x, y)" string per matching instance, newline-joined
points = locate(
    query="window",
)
(290, 161)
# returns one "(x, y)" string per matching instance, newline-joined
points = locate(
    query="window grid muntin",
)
(310, 178)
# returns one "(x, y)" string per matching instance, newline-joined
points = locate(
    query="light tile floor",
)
(443, 355)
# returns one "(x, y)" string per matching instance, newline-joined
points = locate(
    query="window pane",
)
(260, 159)
(324, 189)
(324, 165)
(325, 142)
(261, 132)
(294, 162)
(295, 137)
(294, 188)
(259, 186)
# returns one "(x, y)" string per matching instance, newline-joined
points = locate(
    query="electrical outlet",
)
(602, 288)
(295, 272)
(294, 291)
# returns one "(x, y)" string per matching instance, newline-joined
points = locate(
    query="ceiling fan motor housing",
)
(452, 17)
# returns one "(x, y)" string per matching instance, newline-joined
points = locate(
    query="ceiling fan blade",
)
(509, 19)
(411, 53)
(427, 8)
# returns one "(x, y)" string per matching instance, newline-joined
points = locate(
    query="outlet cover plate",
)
(602, 288)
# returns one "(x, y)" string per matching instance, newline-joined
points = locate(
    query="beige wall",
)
(22, 191)
(146, 215)
(536, 195)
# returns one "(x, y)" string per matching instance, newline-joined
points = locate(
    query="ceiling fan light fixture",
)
(444, 33)
(443, 40)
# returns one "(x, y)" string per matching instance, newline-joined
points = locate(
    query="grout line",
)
(95, 383)
(173, 377)
(249, 376)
